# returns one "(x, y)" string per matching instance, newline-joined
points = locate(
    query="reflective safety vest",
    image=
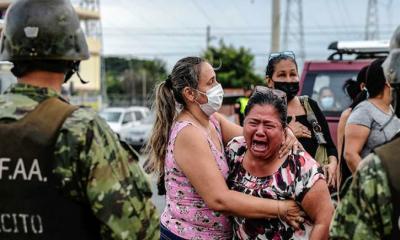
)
(389, 155)
(243, 103)
(32, 205)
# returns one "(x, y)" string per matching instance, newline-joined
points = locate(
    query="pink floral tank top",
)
(186, 214)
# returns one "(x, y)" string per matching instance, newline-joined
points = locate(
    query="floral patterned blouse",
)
(292, 180)
(186, 214)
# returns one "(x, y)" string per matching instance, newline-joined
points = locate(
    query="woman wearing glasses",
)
(257, 169)
(304, 116)
(187, 148)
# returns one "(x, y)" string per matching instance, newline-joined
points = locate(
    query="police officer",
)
(241, 103)
(63, 173)
(371, 208)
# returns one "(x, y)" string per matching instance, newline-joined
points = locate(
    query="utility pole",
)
(294, 16)
(144, 87)
(372, 21)
(276, 26)
(208, 36)
(389, 11)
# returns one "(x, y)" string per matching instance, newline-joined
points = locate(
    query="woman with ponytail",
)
(353, 89)
(370, 123)
(187, 149)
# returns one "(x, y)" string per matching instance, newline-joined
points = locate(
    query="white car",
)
(138, 135)
(122, 119)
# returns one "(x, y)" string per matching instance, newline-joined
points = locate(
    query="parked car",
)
(122, 119)
(138, 135)
(6, 77)
(333, 72)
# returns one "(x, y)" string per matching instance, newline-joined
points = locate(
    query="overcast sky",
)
(171, 29)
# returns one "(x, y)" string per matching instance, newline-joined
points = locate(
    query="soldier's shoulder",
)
(81, 119)
(16, 105)
(81, 116)
(15, 99)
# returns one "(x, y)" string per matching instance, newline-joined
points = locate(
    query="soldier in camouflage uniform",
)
(371, 208)
(366, 210)
(63, 173)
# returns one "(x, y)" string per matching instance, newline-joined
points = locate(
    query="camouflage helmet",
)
(42, 30)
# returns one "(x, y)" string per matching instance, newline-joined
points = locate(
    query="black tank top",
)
(309, 144)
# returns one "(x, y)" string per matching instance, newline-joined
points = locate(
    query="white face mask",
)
(215, 96)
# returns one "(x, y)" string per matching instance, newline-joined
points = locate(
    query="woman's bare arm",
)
(194, 157)
(355, 138)
(340, 137)
(340, 131)
(318, 206)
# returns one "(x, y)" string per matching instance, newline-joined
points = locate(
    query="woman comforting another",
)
(187, 148)
(257, 169)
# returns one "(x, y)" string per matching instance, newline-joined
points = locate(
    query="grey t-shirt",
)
(368, 115)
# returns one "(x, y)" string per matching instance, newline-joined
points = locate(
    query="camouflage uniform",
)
(94, 168)
(366, 210)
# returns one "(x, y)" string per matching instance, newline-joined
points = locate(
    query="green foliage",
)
(132, 78)
(114, 85)
(237, 66)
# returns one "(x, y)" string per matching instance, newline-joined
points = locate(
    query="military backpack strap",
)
(49, 116)
(389, 156)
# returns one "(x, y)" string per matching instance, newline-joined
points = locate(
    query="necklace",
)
(205, 128)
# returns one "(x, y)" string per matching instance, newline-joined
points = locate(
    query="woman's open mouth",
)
(259, 146)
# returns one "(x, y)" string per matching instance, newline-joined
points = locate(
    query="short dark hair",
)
(275, 60)
(268, 97)
(21, 68)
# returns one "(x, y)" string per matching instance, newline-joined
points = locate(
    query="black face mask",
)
(290, 88)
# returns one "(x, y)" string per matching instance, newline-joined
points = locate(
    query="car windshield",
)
(326, 88)
(110, 116)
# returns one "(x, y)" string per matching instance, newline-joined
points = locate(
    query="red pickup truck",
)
(344, 63)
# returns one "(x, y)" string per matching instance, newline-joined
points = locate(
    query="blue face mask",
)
(327, 102)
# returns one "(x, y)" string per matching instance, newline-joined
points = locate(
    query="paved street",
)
(159, 201)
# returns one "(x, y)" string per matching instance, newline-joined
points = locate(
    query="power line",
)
(240, 34)
(346, 12)
(342, 13)
(127, 5)
(330, 11)
(372, 21)
(204, 13)
(297, 16)
(250, 28)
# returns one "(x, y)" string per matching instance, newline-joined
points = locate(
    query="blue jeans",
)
(167, 234)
